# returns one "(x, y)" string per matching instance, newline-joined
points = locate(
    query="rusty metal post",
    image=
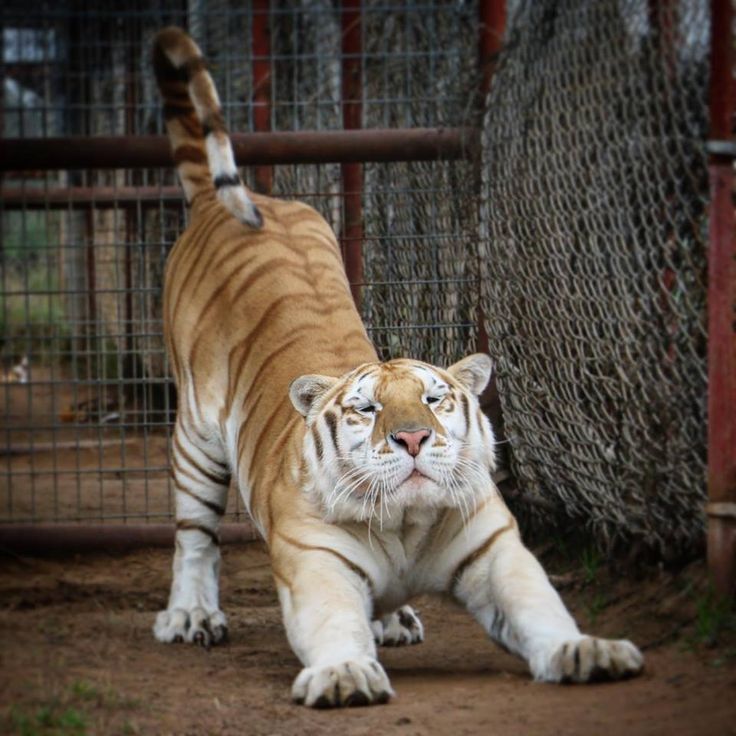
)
(492, 25)
(261, 32)
(352, 118)
(722, 310)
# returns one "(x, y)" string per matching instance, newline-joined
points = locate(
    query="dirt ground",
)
(77, 657)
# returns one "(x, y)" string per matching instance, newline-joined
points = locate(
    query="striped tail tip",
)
(234, 196)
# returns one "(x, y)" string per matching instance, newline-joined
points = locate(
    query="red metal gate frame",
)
(722, 311)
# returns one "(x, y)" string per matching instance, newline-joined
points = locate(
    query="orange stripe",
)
(479, 552)
(190, 153)
(359, 571)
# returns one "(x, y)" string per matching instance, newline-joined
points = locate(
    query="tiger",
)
(370, 481)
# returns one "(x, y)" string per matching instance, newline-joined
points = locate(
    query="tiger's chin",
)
(418, 490)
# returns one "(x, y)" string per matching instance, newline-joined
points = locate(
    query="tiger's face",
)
(388, 436)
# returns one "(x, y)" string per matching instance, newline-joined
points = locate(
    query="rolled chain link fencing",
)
(593, 246)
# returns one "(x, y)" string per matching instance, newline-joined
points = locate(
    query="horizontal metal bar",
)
(301, 147)
(54, 537)
(101, 470)
(726, 148)
(33, 447)
(724, 509)
(169, 197)
(75, 198)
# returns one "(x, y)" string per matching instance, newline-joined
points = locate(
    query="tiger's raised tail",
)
(199, 139)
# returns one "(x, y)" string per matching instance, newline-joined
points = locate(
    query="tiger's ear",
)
(305, 390)
(473, 372)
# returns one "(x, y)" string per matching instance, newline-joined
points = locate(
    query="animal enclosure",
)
(86, 437)
(560, 221)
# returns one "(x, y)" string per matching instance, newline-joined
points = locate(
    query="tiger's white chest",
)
(397, 552)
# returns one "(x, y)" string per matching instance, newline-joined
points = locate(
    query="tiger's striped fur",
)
(369, 481)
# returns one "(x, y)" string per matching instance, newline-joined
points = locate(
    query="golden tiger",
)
(369, 481)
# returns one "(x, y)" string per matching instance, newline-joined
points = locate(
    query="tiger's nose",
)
(412, 441)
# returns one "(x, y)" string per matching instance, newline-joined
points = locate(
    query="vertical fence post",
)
(491, 29)
(721, 311)
(131, 215)
(352, 174)
(492, 25)
(90, 327)
(261, 30)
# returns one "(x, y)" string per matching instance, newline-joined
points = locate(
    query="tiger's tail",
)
(199, 138)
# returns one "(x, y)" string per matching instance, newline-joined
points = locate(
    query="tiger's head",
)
(388, 436)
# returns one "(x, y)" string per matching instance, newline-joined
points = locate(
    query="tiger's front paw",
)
(360, 681)
(591, 660)
(195, 626)
(399, 628)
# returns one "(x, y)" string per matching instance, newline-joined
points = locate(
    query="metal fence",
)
(576, 227)
(595, 201)
(85, 431)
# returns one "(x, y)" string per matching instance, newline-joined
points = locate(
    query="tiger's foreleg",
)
(201, 480)
(326, 606)
(508, 592)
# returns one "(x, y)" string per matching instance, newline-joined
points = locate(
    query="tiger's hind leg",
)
(201, 481)
(399, 628)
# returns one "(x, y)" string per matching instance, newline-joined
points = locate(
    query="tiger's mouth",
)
(416, 478)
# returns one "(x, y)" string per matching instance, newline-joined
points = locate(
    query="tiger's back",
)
(245, 313)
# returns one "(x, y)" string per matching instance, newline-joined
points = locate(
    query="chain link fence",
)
(593, 244)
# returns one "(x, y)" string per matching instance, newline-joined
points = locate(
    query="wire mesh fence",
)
(594, 215)
(581, 234)
(86, 402)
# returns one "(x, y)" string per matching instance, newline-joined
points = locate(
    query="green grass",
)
(49, 720)
(31, 310)
(591, 560)
(595, 606)
(81, 708)
(28, 234)
(29, 315)
(84, 690)
(715, 618)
